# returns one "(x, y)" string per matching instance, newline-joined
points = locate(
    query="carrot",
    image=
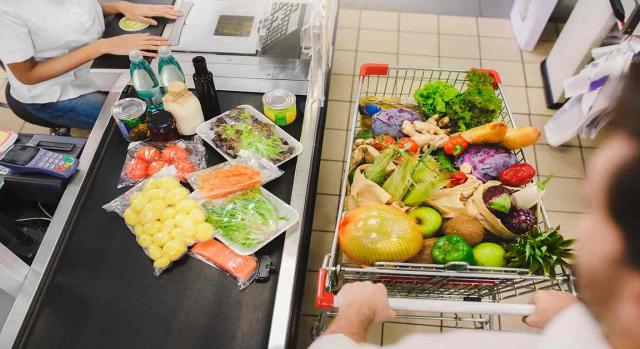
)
(240, 267)
(224, 181)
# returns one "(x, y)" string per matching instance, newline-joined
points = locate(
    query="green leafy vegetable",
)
(377, 171)
(476, 106)
(436, 97)
(399, 181)
(540, 251)
(246, 219)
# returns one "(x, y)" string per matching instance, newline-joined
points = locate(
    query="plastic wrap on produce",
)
(164, 220)
(232, 176)
(144, 159)
(214, 253)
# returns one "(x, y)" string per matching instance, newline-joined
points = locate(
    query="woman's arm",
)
(31, 72)
(140, 12)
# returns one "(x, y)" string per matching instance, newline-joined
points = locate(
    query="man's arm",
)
(360, 305)
(548, 304)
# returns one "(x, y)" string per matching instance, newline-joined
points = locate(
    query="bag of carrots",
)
(232, 177)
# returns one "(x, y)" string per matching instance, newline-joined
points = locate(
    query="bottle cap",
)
(200, 65)
(164, 50)
(177, 87)
(135, 55)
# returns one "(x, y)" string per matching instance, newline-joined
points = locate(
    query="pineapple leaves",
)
(540, 251)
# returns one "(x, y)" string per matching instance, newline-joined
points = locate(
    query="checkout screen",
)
(20, 155)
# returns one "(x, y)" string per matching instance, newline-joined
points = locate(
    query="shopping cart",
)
(455, 294)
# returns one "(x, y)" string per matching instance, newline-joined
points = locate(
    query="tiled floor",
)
(427, 40)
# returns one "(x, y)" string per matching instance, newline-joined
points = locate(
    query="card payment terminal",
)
(21, 158)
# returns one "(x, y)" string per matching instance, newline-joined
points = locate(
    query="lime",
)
(489, 254)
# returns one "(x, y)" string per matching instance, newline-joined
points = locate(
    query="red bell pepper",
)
(456, 179)
(408, 144)
(517, 175)
(455, 145)
(383, 141)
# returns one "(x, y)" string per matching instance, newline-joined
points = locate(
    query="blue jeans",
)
(79, 112)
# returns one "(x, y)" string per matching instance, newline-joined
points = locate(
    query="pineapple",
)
(540, 251)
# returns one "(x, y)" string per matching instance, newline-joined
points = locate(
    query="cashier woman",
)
(607, 266)
(47, 48)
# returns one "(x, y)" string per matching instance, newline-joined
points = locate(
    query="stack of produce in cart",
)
(437, 180)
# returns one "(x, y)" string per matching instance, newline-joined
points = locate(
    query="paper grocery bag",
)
(365, 192)
(451, 202)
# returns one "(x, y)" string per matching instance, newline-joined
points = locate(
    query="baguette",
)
(521, 137)
(493, 132)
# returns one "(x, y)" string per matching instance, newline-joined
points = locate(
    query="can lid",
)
(279, 99)
(128, 108)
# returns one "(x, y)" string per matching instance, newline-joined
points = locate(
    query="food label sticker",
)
(280, 119)
(129, 25)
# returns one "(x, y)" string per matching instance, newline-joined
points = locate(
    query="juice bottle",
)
(168, 68)
(185, 108)
(144, 81)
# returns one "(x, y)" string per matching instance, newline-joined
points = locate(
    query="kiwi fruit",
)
(465, 226)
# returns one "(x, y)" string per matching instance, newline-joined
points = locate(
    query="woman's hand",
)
(122, 44)
(548, 305)
(143, 12)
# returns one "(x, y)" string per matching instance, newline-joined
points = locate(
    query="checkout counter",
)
(90, 285)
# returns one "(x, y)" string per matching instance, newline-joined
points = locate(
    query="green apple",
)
(428, 219)
(488, 254)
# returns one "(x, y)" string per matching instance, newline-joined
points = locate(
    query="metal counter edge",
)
(23, 301)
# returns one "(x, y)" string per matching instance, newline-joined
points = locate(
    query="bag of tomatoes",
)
(163, 218)
(146, 158)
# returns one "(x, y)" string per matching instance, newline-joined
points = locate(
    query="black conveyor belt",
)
(100, 291)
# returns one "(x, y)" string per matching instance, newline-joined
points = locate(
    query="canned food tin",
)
(130, 115)
(280, 106)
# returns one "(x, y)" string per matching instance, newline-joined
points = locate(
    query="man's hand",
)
(143, 12)
(122, 44)
(359, 305)
(548, 305)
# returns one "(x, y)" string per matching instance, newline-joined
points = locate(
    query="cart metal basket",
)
(455, 294)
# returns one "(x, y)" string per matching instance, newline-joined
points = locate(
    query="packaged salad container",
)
(245, 129)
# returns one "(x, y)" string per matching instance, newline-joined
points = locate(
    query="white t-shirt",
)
(574, 328)
(44, 29)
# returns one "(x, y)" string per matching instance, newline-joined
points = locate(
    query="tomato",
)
(155, 167)
(455, 145)
(517, 175)
(184, 167)
(174, 153)
(383, 141)
(408, 144)
(148, 154)
(136, 169)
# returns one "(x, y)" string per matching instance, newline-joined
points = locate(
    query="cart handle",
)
(374, 69)
(326, 301)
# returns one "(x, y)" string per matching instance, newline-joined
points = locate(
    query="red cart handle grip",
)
(374, 69)
(324, 299)
(494, 75)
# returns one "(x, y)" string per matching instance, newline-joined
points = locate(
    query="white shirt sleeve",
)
(15, 42)
(573, 328)
(451, 340)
